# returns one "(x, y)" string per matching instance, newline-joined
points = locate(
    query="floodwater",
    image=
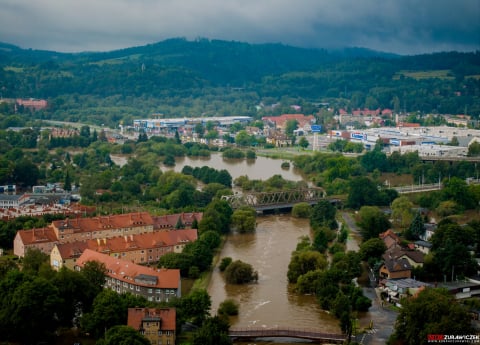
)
(261, 168)
(271, 302)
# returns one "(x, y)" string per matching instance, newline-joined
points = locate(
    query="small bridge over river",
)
(263, 201)
(299, 333)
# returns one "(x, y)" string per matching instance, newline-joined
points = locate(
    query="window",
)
(150, 290)
(137, 288)
(158, 291)
(131, 286)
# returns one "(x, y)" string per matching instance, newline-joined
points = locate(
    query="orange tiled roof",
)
(128, 272)
(105, 222)
(127, 243)
(167, 315)
(37, 235)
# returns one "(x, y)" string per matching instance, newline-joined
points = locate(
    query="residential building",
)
(144, 248)
(280, 122)
(78, 229)
(171, 221)
(394, 269)
(43, 239)
(102, 228)
(158, 325)
(389, 238)
(159, 285)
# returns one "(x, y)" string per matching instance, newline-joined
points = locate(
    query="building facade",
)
(144, 248)
(159, 285)
(158, 325)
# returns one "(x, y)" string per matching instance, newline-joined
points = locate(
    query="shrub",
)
(228, 307)
(224, 263)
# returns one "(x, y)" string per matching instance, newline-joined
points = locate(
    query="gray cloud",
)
(400, 26)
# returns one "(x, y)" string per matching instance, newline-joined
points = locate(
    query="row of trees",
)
(331, 283)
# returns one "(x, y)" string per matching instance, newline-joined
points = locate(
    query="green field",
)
(439, 74)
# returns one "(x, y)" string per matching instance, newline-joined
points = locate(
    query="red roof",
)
(120, 244)
(166, 315)
(126, 271)
(38, 235)
(117, 221)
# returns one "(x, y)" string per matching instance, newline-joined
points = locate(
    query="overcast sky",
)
(398, 26)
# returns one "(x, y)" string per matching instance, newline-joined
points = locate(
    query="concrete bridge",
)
(299, 333)
(263, 201)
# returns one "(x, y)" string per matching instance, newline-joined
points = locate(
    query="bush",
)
(302, 210)
(228, 307)
(239, 272)
(224, 263)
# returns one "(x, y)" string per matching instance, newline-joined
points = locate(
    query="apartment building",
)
(144, 248)
(159, 285)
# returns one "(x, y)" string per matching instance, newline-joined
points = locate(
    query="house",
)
(398, 262)
(389, 238)
(396, 289)
(395, 268)
(144, 248)
(43, 239)
(158, 325)
(159, 285)
(423, 246)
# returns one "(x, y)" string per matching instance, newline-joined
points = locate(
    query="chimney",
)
(105, 241)
(131, 237)
(126, 238)
(98, 242)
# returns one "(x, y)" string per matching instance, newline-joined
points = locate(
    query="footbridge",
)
(299, 333)
(263, 201)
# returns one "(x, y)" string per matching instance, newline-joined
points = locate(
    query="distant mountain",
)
(187, 78)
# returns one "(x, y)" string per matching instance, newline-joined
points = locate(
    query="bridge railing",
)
(285, 332)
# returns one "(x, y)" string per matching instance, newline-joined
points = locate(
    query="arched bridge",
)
(262, 201)
(310, 334)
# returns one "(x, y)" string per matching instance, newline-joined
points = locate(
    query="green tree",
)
(243, 138)
(402, 211)
(372, 250)
(94, 272)
(433, 311)
(302, 210)
(123, 335)
(372, 221)
(228, 307)
(244, 219)
(224, 263)
(33, 260)
(324, 214)
(304, 262)
(416, 228)
(195, 307)
(290, 127)
(108, 311)
(239, 272)
(214, 331)
(303, 142)
(67, 183)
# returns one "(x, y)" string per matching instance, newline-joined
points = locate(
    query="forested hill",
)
(186, 78)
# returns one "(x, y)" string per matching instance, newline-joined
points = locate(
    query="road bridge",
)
(263, 201)
(299, 333)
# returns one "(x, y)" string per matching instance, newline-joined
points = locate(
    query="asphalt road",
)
(383, 318)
